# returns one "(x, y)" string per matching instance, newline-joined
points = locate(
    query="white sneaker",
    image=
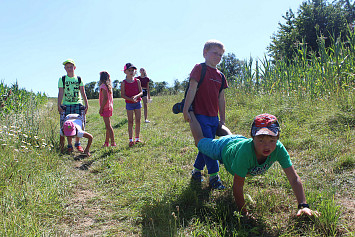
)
(147, 121)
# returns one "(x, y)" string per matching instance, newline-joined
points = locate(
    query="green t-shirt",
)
(239, 158)
(71, 93)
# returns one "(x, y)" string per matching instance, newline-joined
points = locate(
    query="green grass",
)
(146, 190)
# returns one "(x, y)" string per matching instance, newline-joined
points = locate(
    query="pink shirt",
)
(206, 98)
(109, 102)
(131, 89)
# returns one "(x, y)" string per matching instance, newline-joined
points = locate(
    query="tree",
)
(116, 89)
(315, 19)
(231, 67)
(90, 91)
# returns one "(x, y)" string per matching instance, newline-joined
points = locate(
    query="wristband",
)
(303, 205)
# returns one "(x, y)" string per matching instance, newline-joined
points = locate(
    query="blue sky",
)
(165, 37)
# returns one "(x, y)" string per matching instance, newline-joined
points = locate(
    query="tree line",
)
(319, 31)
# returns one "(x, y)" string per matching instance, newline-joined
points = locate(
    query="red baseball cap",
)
(265, 124)
(128, 66)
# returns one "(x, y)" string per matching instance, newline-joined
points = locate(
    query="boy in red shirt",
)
(207, 102)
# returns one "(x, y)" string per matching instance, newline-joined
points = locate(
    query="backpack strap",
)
(63, 80)
(203, 74)
(223, 82)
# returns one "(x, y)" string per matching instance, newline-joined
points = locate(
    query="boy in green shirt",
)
(253, 156)
(70, 99)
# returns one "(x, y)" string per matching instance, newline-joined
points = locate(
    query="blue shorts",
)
(133, 106)
(213, 147)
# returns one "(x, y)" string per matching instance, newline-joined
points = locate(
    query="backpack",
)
(178, 107)
(63, 80)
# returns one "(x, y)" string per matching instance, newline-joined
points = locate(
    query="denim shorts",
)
(213, 147)
(133, 106)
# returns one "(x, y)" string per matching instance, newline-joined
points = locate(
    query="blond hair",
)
(211, 43)
(144, 72)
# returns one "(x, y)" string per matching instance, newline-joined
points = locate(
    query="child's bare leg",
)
(138, 114)
(70, 139)
(130, 123)
(89, 137)
(61, 143)
(195, 128)
(109, 130)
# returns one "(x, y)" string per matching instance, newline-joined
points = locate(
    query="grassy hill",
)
(146, 190)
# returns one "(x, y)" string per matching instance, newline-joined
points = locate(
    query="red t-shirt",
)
(144, 81)
(206, 98)
(131, 89)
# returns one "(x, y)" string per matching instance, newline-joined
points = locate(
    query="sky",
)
(165, 37)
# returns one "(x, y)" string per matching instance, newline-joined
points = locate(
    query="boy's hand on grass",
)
(307, 212)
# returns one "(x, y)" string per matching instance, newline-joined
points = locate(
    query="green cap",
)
(69, 61)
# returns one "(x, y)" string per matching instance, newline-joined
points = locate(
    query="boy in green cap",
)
(70, 99)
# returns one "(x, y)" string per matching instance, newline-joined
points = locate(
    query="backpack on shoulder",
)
(63, 80)
(178, 107)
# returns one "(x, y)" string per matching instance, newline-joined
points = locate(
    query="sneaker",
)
(79, 148)
(131, 144)
(113, 144)
(216, 183)
(197, 176)
(105, 144)
(147, 121)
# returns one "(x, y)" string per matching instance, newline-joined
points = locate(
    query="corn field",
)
(19, 117)
(310, 74)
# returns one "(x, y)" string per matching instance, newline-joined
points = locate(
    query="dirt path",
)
(87, 211)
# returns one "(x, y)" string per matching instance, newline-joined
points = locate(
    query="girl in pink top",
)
(106, 106)
(131, 91)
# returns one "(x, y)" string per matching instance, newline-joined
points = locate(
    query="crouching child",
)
(73, 126)
(244, 157)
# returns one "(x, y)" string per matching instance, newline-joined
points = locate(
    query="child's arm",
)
(148, 91)
(238, 193)
(123, 92)
(104, 100)
(89, 137)
(135, 98)
(60, 98)
(83, 94)
(222, 108)
(190, 96)
(297, 188)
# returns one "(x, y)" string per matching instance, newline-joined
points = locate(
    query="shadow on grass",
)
(121, 123)
(198, 213)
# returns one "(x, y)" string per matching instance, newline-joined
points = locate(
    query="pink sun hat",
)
(69, 129)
